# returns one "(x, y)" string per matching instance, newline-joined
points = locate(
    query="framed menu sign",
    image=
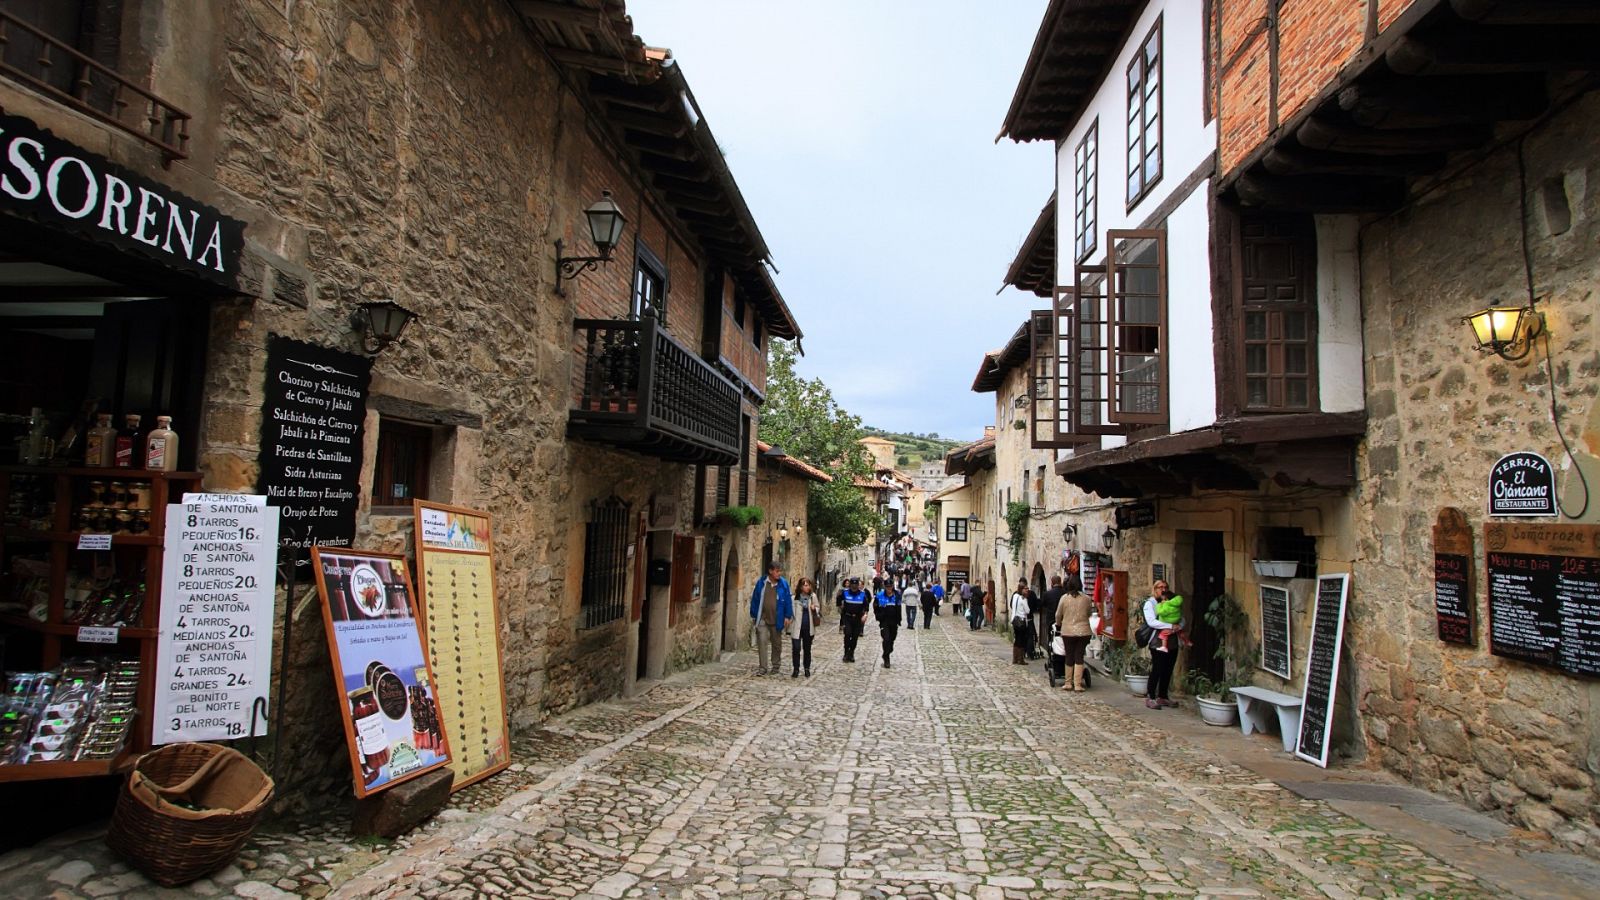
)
(1322, 669)
(1452, 577)
(1111, 602)
(311, 438)
(1275, 654)
(1544, 594)
(455, 567)
(386, 690)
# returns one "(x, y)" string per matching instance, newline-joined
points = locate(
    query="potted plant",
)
(1211, 697)
(741, 516)
(1275, 568)
(1136, 672)
(1230, 623)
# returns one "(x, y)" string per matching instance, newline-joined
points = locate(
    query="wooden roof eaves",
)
(1038, 252)
(1062, 33)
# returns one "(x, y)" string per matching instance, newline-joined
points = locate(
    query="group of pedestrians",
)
(777, 612)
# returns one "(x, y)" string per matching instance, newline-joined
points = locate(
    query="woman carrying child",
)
(1163, 649)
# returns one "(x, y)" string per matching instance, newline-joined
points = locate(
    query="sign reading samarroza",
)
(56, 184)
(311, 430)
(1522, 484)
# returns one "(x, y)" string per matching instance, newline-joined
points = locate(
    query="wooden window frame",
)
(1300, 232)
(955, 530)
(1086, 194)
(1141, 136)
(383, 469)
(1092, 310)
(647, 264)
(1162, 350)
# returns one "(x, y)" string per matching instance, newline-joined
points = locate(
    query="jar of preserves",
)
(138, 495)
(141, 521)
(372, 741)
(118, 498)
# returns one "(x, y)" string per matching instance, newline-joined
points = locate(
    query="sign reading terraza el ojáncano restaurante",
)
(1522, 484)
(311, 433)
(64, 187)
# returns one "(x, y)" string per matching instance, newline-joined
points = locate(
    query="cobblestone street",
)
(953, 774)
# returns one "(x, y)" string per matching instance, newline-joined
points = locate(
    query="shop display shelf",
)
(127, 633)
(89, 768)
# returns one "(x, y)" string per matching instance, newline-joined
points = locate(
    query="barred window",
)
(713, 570)
(605, 562)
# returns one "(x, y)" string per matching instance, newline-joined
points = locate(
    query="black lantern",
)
(605, 230)
(383, 321)
(1108, 537)
(1502, 330)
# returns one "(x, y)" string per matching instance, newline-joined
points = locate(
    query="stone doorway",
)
(730, 602)
(1208, 578)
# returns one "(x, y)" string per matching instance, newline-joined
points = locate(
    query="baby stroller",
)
(1055, 664)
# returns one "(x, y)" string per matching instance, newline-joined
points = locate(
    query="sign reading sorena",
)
(1522, 484)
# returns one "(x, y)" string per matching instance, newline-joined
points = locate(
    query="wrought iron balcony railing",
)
(61, 72)
(641, 389)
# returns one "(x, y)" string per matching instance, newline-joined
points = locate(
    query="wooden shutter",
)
(1136, 277)
(1278, 317)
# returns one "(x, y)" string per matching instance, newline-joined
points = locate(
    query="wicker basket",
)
(172, 843)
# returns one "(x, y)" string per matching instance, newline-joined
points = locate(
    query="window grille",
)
(713, 576)
(605, 562)
(1290, 543)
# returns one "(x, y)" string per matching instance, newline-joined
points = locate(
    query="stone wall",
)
(1505, 736)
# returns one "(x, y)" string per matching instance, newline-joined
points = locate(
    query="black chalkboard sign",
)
(311, 440)
(1452, 599)
(1322, 669)
(1275, 654)
(1544, 594)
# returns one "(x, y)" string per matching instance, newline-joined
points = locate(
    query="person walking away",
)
(1045, 613)
(803, 626)
(854, 605)
(989, 600)
(888, 611)
(1072, 622)
(911, 598)
(930, 603)
(965, 594)
(1162, 660)
(1021, 615)
(771, 607)
(975, 605)
(938, 598)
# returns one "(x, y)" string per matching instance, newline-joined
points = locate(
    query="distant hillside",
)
(911, 450)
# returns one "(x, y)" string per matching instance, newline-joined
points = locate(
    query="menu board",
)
(1275, 632)
(1452, 577)
(214, 652)
(1111, 602)
(1322, 669)
(311, 432)
(455, 561)
(1544, 594)
(387, 699)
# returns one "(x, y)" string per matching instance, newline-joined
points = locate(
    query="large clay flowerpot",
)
(1216, 712)
(1137, 683)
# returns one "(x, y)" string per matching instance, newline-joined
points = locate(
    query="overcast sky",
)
(862, 137)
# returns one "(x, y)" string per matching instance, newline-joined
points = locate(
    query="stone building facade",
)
(432, 154)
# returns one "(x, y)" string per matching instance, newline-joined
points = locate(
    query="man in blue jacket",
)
(886, 605)
(854, 604)
(771, 608)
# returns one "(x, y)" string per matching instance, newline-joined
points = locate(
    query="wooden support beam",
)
(698, 190)
(550, 11)
(1290, 160)
(1528, 12)
(1432, 102)
(1507, 48)
(658, 145)
(594, 62)
(665, 124)
(638, 100)
(1321, 194)
(681, 202)
(1323, 134)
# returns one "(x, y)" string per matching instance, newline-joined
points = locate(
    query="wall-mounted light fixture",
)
(1109, 537)
(1506, 331)
(973, 522)
(1069, 534)
(381, 323)
(605, 229)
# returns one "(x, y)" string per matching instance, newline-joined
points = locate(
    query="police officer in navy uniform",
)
(853, 606)
(887, 607)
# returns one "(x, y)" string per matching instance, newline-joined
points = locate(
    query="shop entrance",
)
(730, 602)
(1210, 578)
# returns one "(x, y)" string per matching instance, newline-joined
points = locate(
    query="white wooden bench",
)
(1253, 715)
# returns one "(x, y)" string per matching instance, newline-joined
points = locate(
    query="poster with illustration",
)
(451, 528)
(387, 696)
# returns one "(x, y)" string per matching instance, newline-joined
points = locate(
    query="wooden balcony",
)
(640, 389)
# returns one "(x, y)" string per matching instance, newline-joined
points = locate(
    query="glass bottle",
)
(372, 741)
(101, 447)
(161, 447)
(130, 443)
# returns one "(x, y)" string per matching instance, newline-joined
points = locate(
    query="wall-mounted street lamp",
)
(605, 229)
(1109, 537)
(1069, 533)
(381, 323)
(973, 522)
(1506, 331)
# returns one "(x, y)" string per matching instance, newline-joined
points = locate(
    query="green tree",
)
(802, 417)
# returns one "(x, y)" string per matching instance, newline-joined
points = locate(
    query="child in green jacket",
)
(1170, 613)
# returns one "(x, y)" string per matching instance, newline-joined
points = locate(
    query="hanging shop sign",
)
(311, 440)
(387, 700)
(66, 188)
(1544, 594)
(1111, 602)
(1136, 515)
(214, 652)
(455, 568)
(1322, 669)
(1452, 577)
(1522, 484)
(1275, 630)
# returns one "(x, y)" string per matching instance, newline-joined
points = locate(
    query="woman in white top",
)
(1021, 614)
(1162, 660)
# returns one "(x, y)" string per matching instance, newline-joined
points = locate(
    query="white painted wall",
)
(1339, 372)
(1188, 142)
